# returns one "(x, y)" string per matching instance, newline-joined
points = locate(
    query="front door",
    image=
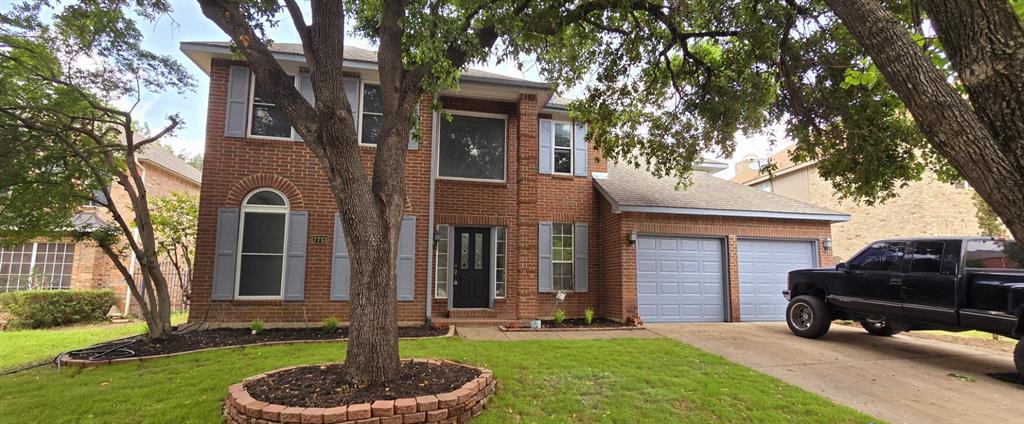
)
(472, 268)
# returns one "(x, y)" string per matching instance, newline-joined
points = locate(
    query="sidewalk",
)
(494, 334)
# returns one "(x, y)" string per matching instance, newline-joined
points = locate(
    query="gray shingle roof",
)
(630, 189)
(170, 161)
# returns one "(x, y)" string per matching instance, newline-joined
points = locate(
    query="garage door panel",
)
(684, 284)
(764, 266)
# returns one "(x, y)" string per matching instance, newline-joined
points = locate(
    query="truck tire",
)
(880, 328)
(1018, 358)
(808, 316)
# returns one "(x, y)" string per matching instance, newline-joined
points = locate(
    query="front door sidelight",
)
(472, 271)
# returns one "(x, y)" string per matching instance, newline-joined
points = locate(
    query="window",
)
(765, 186)
(441, 256)
(562, 150)
(500, 246)
(36, 266)
(994, 254)
(261, 245)
(472, 146)
(879, 257)
(372, 116)
(265, 118)
(927, 257)
(561, 256)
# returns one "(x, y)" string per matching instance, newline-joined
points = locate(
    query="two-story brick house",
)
(508, 205)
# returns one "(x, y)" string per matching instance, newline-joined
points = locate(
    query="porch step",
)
(472, 313)
(473, 322)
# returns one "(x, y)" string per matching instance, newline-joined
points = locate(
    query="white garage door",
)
(764, 265)
(679, 279)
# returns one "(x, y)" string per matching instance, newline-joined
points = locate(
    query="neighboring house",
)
(67, 265)
(924, 208)
(493, 230)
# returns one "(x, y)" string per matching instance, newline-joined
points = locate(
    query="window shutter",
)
(546, 160)
(238, 102)
(580, 150)
(341, 266)
(545, 280)
(306, 89)
(352, 91)
(406, 266)
(580, 260)
(225, 254)
(295, 267)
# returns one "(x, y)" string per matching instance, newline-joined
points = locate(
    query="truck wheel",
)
(878, 328)
(808, 316)
(1018, 358)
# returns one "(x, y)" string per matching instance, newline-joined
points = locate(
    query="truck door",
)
(875, 277)
(929, 286)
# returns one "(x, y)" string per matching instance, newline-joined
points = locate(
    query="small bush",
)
(51, 308)
(330, 325)
(588, 315)
(256, 326)
(559, 316)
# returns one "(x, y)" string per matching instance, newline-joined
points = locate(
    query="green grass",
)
(616, 380)
(26, 346)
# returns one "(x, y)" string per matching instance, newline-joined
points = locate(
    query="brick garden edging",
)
(457, 406)
(66, 360)
(545, 329)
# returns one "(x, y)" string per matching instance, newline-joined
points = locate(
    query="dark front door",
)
(472, 268)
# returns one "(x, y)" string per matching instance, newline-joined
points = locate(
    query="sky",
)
(188, 24)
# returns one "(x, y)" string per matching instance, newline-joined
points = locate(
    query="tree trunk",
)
(944, 116)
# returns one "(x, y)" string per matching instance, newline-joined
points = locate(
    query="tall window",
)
(472, 146)
(36, 266)
(266, 119)
(372, 115)
(562, 147)
(561, 256)
(500, 246)
(261, 245)
(441, 258)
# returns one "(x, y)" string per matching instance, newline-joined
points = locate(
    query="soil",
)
(326, 386)
(580, 323)
(223, 337)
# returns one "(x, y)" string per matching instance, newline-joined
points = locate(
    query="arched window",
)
(261, 245)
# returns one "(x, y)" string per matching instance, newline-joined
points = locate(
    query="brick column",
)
(733, 256)
(526, 203)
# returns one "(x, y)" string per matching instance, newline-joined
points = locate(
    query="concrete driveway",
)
(897, 379)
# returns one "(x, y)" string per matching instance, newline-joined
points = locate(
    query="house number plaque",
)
(319, 239)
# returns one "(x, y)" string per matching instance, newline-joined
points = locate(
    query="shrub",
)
(330, 325)
(256, 326)
(51, 308)
(588, 315)
(559, 316)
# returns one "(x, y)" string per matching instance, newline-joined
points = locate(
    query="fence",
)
(179, 294)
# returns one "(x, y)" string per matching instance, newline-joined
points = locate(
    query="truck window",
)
(994, 254)
(927, 257)
(879, 257)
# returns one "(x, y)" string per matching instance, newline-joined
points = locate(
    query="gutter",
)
(430, 219)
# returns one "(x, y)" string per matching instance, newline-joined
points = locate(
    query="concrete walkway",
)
(898, 379)
(494, 334)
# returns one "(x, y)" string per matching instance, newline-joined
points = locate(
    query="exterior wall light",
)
(632, 237)
(828, 244)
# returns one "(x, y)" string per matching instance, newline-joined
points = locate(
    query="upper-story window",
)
(472, 147)
(265, 118)
(562, 150)
(372, 116)
(261, 245)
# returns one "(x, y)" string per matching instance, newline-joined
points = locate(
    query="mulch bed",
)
(325, 386)
(224, 337)
(580, 323)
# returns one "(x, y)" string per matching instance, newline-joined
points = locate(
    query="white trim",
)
(437, 263)
(248, 116)
(504, 162)
(494, 261)
(283, 210)
(571, 148)
(572, 250)
(359, 121)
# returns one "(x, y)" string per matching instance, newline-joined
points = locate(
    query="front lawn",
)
(616, 380)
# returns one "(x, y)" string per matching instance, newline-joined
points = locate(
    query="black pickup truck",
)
(953, 284)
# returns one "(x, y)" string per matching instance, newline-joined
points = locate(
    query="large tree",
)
(62, 69)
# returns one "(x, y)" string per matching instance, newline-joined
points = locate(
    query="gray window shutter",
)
(580, 150)
(544, 278)
(580, 260)
(306, 88)
(341, 265)
(546, 164)
(238, 102)
(225, 254)
(406, 266)
(295, 267)
(352, 91)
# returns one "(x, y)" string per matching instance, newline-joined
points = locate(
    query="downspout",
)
(430, 220)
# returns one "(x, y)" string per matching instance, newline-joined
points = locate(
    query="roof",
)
(783, 165)
(169, 161)
(633, 190)
(87, 221)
